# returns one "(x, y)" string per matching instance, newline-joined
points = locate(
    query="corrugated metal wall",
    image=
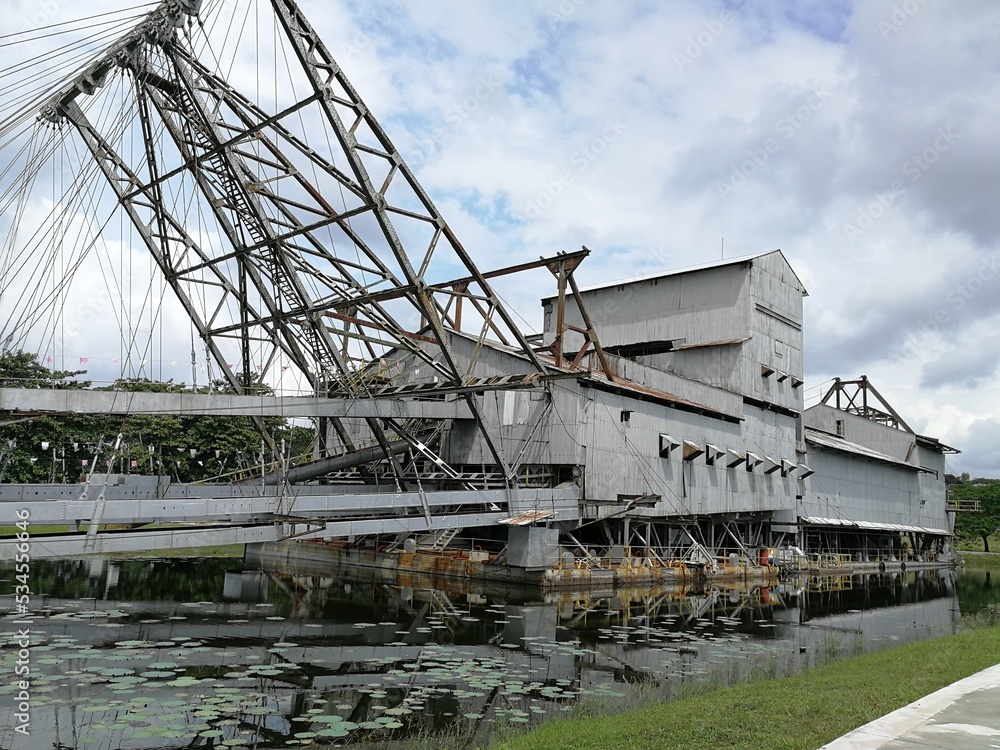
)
(858, 489)
(707, 305)
(623, 458)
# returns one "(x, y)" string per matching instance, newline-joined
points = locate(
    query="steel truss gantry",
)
(326, 259)
(859, 397)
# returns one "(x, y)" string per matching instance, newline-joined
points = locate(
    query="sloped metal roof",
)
(527, 518)
(872, 525)
(706, 344)
(689, 269)
(839, 444)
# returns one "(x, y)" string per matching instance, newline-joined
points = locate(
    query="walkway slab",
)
(962, 716)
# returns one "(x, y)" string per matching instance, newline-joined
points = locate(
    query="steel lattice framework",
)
(861, 398)
(330, 285)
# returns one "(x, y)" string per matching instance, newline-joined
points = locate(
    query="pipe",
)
(336, 463)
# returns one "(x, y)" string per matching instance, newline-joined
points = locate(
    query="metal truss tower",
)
(326, 258)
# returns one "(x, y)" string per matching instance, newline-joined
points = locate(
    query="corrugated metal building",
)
(698, 437)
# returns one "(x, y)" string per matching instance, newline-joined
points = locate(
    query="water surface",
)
(272, 653)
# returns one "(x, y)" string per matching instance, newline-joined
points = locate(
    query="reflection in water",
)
(978, 591)
(274, 653)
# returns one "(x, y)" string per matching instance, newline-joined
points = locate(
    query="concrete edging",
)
(891, 727)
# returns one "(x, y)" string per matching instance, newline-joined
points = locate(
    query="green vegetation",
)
(984, 523)
(975, 544)
(186, 448)
(981, 560)
(803, 711)
(6, 531)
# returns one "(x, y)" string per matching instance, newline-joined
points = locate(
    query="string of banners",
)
(202, 367)
(150, 449)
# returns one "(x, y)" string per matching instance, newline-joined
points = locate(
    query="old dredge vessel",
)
(684, 434)
(654, 431)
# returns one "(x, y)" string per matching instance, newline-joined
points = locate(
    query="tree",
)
(203, 448)
(23, 370)
(22, 455)
(984, 522)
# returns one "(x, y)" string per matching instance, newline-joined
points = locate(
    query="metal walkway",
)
(200, 515)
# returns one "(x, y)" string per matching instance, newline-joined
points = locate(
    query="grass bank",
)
(800, 712)
(13, 531)
(982, 560)
(975, 544)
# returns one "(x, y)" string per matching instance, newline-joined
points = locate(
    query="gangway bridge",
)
(164, 515)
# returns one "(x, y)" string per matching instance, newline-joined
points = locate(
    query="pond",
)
(273, 652)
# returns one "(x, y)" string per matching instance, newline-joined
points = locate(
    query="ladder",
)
(444, 538)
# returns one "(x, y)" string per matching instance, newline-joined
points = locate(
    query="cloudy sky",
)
(860, 138)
